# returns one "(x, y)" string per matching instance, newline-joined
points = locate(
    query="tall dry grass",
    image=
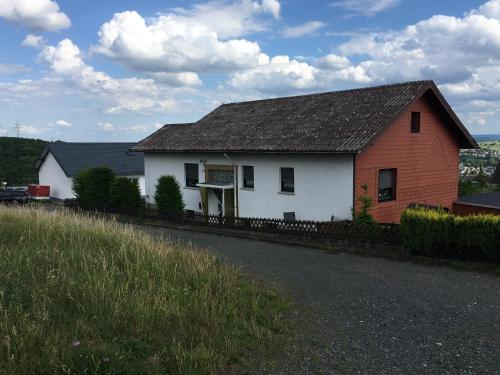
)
(84, 295)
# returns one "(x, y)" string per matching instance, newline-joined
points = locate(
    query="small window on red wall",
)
(387, 184)
(415, 122)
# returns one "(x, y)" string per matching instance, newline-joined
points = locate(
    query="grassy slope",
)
(17, 159)
(84, 295)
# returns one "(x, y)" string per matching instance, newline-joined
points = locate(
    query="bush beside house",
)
(168, 195)
(440, 234)
(93, 186)
(125, 193)
(99, 188)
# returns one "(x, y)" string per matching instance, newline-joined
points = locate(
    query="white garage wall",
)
(323, 183)
(51, 174)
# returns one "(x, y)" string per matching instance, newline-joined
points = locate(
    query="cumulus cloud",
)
(448, 49)
(35, 41)
(201, 39)
(125, 94)
(300, 30)
(367, 8)
(276, 75)
(41, 15)
(63, 123)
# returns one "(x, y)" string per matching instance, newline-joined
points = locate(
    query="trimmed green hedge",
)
(440, 234)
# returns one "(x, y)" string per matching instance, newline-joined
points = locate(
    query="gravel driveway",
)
(370, 315)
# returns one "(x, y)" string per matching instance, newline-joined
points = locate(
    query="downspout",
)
(235, 183)
(353, 186)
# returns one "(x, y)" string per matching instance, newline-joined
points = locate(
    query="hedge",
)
(125, 194)
(440, 234)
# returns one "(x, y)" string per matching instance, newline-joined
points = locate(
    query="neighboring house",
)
(308, 156)
(475, 204)
(61, 161)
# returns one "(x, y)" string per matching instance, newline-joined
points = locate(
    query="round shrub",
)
(92, 186)
(168, 195)
(125, 193)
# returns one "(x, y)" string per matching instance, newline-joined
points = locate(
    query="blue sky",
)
(116, 70)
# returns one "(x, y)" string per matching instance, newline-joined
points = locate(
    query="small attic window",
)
(415, 122)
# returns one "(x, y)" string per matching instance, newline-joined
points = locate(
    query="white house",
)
(308, 157)
(61, 161)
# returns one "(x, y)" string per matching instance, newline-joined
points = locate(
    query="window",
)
(287, 180)
(386, 185)
(248, 177)
(191, 171)
(415, 122)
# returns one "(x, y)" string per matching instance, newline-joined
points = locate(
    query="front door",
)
(215, 204)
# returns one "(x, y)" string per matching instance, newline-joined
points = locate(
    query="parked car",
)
(14, 196)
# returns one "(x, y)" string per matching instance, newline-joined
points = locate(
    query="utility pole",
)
(17, 129)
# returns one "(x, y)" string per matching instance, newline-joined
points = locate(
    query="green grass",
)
(83, 295)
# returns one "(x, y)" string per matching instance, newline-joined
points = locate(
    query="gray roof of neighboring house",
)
(340, 121)
(491, 199)
(74, 157)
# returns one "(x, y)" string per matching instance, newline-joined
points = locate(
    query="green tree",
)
(92, 186)
(125, 193)
(363, 216)
(168, 195)
(17, 160)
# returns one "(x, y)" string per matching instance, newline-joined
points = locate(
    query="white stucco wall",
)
(142, 183)
(51, 174)
(323, 183)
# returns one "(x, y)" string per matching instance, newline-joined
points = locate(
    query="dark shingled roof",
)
(74, 157)
(340, 121)
(491, 199)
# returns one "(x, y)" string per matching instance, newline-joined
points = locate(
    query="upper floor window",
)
(387, 185)
(415, 122)
(191, 172)
(248, 181)
(287, 180)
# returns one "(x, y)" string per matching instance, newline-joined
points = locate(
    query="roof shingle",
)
(74, 157)
(339, 121)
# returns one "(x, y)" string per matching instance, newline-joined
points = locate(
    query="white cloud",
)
(63, 123)
(204, 38)
(305, 29)
(27, 129)
(333, 62)
(125, 94)
(177, 79)
(273, 7)
(366, 8)
(276, 75)
(35, 14)
(35, 41)
(445, 48)
(13, 68)
(106, 126)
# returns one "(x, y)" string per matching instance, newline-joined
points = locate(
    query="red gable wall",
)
(426, 162)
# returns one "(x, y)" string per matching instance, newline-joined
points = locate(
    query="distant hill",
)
(486, 137)
(17, 159)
